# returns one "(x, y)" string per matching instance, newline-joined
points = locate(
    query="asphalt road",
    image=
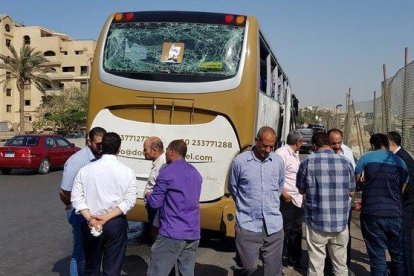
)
(35, 238)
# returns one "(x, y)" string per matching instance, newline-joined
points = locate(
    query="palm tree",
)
(28, 67)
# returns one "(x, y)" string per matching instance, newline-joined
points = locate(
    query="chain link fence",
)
(393, 110)
(397, 106)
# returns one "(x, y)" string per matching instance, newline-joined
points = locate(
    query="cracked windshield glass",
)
(139, 48)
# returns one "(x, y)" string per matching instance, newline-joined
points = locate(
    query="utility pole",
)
(386, 101)
(404, 128)
(374, 115)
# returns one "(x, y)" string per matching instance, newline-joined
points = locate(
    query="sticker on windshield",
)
(172, 52)
(211, 65)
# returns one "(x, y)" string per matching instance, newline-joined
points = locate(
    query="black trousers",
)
(148, 226)
(108, 249)
(292, 226)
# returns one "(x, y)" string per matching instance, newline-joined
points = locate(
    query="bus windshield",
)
(173, 51)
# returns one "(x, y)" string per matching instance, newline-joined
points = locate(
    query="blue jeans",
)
(165, 252)
(381, 234)
(77, 262)
(135, 229)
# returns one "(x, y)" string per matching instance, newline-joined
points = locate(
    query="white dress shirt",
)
(397, 149)
(103, 185)
(347, 152)
(155, 170)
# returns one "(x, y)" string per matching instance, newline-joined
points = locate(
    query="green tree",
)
(65, 111)
(27, 67)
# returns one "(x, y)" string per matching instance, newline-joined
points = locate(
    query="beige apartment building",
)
(71, 60)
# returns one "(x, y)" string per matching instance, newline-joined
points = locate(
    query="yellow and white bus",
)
(207, 78)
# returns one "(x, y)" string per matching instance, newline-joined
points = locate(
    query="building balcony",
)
(61, 76)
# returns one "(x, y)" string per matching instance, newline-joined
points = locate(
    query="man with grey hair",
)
(255, 182)
(291, 201)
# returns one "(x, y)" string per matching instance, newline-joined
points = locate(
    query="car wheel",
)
(44, 166)
(5, 170)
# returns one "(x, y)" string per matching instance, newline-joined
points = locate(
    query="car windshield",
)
(23, 141)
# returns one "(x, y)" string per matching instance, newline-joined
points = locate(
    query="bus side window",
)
(263, 76)
(264, 53)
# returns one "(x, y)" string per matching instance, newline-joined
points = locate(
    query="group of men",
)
(98, 191)
(274, 193)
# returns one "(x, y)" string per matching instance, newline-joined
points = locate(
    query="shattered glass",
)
(209, 49)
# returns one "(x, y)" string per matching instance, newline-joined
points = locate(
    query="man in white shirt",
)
(154, 151)
(88, 154)
(336, 138)
(103, 192)
(291, 201)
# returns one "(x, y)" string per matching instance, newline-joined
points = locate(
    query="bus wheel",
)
(44, 166)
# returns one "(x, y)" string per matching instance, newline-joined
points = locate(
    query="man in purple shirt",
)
(176, 194)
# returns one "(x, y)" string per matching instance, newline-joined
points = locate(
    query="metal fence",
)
(393, 110)
(397, 106)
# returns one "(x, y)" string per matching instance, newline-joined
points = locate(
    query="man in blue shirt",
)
(72, 166)
(382, 175)
(255, 183)
(176, 194)
(327, 181)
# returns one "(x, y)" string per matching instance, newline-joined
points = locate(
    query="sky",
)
(324, 46)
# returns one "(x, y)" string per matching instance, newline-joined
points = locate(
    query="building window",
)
(84, 85)
(8, 75)
(27, 118)
(78, 52)
(7, 28)
(8, 92)
(8, 42)
(27, 102)
(8, 108)
(49, 54)
(65, 53)
(68, 69)
(84, 70)
(26, 40)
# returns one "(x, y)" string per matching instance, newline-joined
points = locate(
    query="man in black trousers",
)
(408, 199)
(103, 192)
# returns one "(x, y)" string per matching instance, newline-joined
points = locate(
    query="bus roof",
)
(181, 16)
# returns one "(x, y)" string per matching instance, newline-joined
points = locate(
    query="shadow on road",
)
(134, 265)
(62, 266)
(19, 172)
(217, 242)
(208, 270)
